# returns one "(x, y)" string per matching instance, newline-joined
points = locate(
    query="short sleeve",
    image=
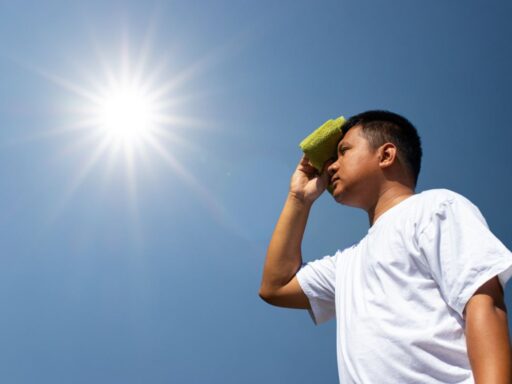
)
(461, 252)
(318, 280)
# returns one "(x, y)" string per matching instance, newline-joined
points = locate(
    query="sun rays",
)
(123, 115)
(129, 118)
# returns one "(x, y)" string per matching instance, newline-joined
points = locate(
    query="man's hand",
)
(487, 335)
(307, 184)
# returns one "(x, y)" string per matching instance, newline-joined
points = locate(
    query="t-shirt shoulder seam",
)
(448, 200)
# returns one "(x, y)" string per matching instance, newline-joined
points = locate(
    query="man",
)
(420, 298)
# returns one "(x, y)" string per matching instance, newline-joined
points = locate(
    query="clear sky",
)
(141, 263)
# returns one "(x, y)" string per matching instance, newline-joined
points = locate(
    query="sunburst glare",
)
(127, 113)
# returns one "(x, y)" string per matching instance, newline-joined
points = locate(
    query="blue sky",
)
(149, 272)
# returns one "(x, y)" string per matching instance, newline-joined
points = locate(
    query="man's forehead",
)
(350, 136)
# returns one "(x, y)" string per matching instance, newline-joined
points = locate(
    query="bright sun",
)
(126, 115)
(129, 114)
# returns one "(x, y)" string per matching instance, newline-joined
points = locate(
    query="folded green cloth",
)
(321, 145)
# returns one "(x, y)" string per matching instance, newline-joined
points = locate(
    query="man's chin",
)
(342, 197)
(337, 195)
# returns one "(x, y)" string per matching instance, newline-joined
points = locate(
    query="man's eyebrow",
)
(342, 144)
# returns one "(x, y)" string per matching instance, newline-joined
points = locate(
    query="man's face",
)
(355, 175)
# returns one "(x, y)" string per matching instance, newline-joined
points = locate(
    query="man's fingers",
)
(327, 164)
(306, 167)
(324, 175)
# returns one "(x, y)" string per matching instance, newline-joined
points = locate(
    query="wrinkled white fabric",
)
(399, 294)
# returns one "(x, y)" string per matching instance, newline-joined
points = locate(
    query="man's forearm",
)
(488, 342)
(284, 252)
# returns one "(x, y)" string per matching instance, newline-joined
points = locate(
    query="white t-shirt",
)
(399, 294)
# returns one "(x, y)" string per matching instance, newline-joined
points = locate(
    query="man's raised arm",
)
(279, 286)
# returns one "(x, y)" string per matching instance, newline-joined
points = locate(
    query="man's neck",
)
(387, 199)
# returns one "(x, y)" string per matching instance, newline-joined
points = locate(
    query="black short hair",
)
(380, 127)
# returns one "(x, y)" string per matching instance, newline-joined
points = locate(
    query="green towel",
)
(321, 145)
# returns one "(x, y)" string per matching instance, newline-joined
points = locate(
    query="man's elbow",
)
(285, 297)
(274, 296)
(267, 295)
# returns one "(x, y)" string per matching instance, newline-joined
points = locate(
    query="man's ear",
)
(387, 155)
